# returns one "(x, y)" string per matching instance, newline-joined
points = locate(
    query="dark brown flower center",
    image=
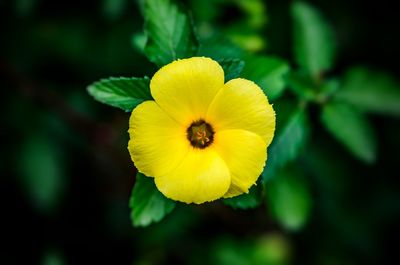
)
(200, 134)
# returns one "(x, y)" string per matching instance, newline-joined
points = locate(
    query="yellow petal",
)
(241, 104)
(202, 176)
(185, 88)
(233, 191)
(157, 142)
(244, 153)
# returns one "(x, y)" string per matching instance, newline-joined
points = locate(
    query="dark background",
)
(52, 50)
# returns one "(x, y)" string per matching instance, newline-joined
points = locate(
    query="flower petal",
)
(244, 153)
(241, 104)
(202, 176)
(233, 191)
(185, 88)
(153, 136)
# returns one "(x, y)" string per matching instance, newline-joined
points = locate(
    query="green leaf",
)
(371, 91)
(147, 204)
(232, 68)
(268, 73)
(289, 200)
(314, 43)
(121, 92)
(351, 128)
(246, 201)
(291, 136)
(170, 32)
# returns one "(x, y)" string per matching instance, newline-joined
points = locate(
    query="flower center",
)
(200, 134)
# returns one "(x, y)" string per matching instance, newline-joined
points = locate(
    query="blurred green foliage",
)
(147, 203)
(268, 73)
(370, 91)
(314, 43)
(42, 172)
(289, 199)
(330, 191)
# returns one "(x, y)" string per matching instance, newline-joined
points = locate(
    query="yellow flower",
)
(201, 139)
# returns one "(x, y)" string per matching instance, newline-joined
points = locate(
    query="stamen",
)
(200, 134)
